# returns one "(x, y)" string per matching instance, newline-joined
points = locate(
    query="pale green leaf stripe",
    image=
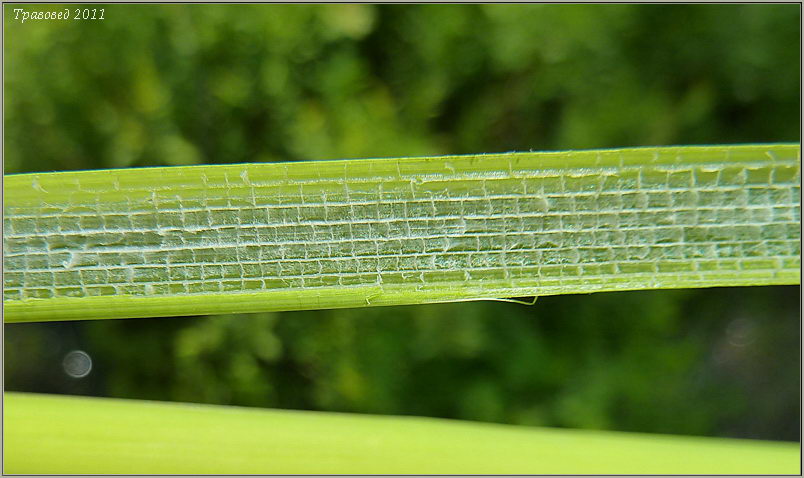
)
(306, 235)
(59, 435)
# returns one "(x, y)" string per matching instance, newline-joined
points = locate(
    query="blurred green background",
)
(192, 84)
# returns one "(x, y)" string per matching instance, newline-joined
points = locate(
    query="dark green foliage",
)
(154, 85)
(710, 361)
(174, 84)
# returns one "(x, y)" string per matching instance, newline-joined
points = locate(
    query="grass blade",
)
(65, 435)
(285, 236)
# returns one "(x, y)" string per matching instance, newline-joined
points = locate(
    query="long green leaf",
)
(61, 435)
(283, 236)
